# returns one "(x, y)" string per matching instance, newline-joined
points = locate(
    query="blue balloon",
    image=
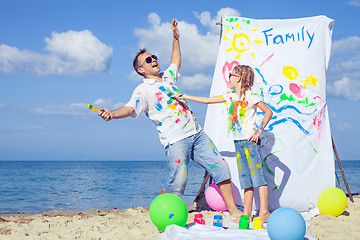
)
(286, 224)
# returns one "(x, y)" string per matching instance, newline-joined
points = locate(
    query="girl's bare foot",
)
(236, 213)
(238, 219)
(264, 216)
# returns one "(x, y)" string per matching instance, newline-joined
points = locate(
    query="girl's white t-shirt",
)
(242, 114)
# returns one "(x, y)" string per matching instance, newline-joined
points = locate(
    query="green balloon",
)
(167, 209)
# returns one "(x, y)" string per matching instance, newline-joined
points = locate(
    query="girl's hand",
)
(180, 97)
(255, 137)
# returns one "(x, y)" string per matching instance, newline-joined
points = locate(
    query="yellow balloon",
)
(332, 201)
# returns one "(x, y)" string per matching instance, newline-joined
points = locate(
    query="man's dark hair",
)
(136, 62)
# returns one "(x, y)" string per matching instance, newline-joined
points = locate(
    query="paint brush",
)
(93, 108)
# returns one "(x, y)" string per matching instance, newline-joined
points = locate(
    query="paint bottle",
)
(218, 221)
(198, 218)
(244, 222)
(257, 223)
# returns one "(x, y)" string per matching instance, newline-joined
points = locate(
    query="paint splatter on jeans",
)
(201, 150)
(249, 162)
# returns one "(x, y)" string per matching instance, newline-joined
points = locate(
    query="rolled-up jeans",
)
(201, 150)
(250, 164)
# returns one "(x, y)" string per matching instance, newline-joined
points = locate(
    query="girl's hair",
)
(247, 76)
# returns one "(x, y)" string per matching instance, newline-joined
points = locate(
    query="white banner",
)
(289, 58)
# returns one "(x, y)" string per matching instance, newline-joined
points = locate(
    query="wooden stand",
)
(342, 172)
(201, 192)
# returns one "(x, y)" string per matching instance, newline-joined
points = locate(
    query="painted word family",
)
(303, 35)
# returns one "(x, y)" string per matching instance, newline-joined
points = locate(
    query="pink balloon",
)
(214, 198)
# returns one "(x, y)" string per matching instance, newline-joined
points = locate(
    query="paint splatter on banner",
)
(289, 58)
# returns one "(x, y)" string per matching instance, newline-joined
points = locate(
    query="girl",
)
(242, 108)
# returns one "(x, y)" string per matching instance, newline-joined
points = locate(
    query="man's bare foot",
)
(236, 213)
(264, 217)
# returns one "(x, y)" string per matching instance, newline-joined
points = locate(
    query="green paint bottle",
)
(244, 222)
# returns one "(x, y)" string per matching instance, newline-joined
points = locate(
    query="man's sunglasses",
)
(148, 60)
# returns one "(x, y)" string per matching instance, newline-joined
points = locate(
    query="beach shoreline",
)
(135, 223)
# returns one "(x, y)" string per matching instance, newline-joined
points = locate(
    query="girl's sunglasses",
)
(148, 60)
(233, 74)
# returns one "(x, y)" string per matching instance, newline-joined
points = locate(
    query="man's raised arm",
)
(176, 55)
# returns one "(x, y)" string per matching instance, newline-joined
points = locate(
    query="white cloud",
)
(73, 109)
(196, 82)
(107, 103)
(154, 19)
(206, 20)
(355, 3)
(344, 69)
(345, 88)
(346, 45)
(198, 50)
(133, 76)
(157, 38)
(69, 53)
(340, 122)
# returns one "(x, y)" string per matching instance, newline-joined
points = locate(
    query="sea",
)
(38, 186)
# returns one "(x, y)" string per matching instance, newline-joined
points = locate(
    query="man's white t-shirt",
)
(242, 114)
(173, 119)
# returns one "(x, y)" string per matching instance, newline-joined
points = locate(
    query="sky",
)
(58, 56)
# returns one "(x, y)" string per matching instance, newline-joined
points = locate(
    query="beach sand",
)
(135, 223)
(345, 226)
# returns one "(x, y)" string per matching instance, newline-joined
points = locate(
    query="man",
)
(179, 132)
